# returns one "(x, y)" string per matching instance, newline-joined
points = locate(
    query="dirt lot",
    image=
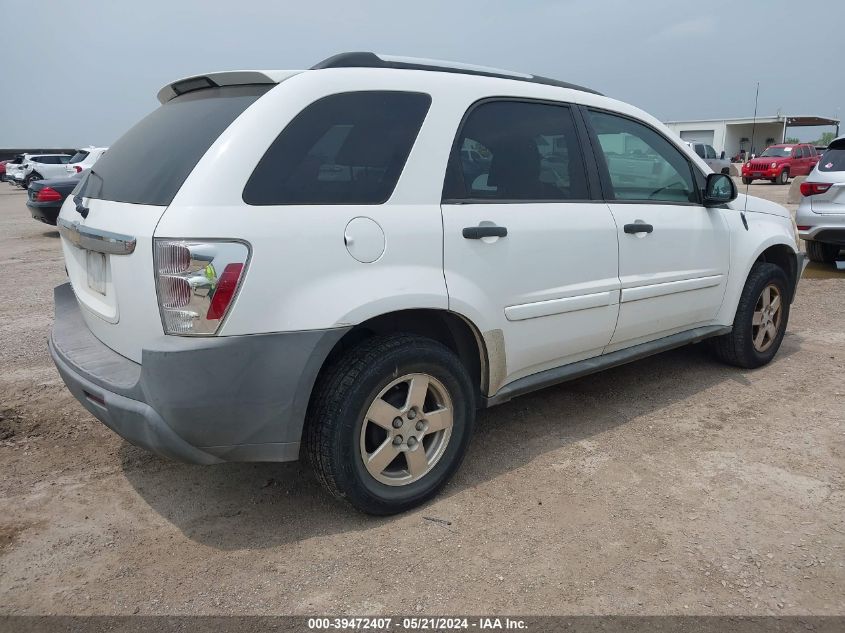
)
(672, 485)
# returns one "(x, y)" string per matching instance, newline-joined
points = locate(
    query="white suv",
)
(41, 167)
(308, 260)
(84, 159)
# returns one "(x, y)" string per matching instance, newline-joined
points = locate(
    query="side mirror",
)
(720, 189)
(722, 155)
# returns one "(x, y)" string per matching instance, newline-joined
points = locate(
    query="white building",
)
(732, 135)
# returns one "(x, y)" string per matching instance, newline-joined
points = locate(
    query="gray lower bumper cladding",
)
(201, 400)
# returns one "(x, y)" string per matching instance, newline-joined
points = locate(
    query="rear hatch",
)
(108, 224)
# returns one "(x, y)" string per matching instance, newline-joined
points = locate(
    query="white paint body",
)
(564, 285)
(94, 154)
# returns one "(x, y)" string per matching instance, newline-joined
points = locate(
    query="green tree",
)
(825, 139)
(792, 139)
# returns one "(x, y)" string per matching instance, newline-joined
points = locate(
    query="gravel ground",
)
(671, 485)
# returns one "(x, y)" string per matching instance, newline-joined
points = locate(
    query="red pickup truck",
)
(779, 162)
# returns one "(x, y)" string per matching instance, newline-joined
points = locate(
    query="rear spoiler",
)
(225, 78)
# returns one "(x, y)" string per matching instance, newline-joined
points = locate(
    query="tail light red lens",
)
(77, 168)
(225, 290)
(48, 194)
(813, 188)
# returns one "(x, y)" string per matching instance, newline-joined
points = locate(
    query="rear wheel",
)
(783, 177)
(822, 253)
(30, 179)
(760, 321)
(390, 423)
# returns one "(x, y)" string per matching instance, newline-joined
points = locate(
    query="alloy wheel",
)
(766, 322)
(406, 429)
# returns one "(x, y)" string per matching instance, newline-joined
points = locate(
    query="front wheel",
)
(390, 423)
(30, 179)
(760, 321)
(747, 181)
(783, 178)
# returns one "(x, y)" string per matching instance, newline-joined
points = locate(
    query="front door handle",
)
(639, 227)
(477, 232)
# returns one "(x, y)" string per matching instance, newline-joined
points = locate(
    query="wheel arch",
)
(782, 256)
(451, 329)
(778, 247)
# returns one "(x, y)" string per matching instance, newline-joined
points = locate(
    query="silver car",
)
(821, 214)
(717, 162)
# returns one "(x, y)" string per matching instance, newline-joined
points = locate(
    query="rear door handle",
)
(477, 232)
(639, 227)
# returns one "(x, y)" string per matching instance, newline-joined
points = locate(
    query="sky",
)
(81, 73)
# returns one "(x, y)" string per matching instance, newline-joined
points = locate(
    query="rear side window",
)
(641, 163)
(78, 157)
(149, 163)
(513, 150)
(834, 157)
(347, 148)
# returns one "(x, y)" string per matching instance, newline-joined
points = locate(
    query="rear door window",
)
(711, 153)
(78, 157)
(149, 163)
(347, 148)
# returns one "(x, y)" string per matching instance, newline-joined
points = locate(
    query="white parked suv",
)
(305, 263)
(821, 214)
(84, 159)
(41, 167)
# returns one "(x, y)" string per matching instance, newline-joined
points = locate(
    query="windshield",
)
(777, 152)
(149, 163)
(78, 157)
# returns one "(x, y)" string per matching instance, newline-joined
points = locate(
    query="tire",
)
(726, 171)
(739, 347)
(747, 181)
(822, 253)
(340, 435)
(783, 177)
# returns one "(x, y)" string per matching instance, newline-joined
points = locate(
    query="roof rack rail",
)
(372, 60)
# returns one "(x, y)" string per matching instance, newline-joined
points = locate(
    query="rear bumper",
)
(822, 227)
(199, 400)
(830, 234)
(47, 213)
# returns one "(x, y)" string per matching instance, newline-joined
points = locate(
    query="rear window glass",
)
(78, 157)
(149, 163)
(347, 148)
(834, 157)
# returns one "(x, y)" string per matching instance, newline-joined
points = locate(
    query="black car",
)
(45, 197)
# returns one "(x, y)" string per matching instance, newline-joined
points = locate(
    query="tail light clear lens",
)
(813, 188)
(196, 283)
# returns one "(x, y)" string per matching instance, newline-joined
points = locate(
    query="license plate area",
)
(95, 265)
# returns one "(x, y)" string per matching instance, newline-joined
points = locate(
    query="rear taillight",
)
(196, 283)
(77, 168)
(812, 188)
(48, 194)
